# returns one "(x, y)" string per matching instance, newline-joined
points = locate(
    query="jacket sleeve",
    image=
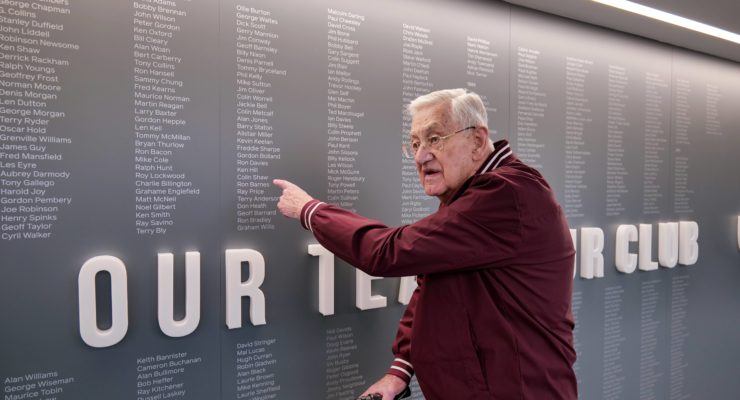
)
(401, 366)
(481, 229)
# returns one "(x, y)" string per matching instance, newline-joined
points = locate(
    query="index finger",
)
(282, 184)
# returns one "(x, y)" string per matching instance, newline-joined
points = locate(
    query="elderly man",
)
(491, 316)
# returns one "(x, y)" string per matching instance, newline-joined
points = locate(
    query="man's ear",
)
(480, 141)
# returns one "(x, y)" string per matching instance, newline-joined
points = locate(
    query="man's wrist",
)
(401, 369)
(307, 212)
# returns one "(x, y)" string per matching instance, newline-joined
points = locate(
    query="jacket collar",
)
(502, 155)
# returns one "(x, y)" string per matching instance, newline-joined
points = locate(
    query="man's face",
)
(441, 172)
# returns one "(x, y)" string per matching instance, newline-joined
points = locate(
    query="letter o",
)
(89, 331)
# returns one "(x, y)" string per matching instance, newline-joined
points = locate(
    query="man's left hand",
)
(293, 199)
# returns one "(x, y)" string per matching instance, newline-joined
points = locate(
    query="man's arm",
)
(481, 229)
(400, 373)
(402, 367)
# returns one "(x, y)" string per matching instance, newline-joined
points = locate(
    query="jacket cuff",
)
(307, 212)
(402, 369)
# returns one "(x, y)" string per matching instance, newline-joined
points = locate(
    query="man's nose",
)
(423, 155)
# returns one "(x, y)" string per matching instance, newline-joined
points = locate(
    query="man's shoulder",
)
(515, 174)
(525, 184)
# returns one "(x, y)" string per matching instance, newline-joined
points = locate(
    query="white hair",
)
(467, 108)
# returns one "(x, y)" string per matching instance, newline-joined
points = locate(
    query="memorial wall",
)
(142, 257)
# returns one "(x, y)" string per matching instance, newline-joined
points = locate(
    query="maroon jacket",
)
(491, 317)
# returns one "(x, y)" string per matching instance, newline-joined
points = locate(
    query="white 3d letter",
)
(364, 299)
(592, 261)
(668, 244)
(646, 248)
(406, 290)
(326, 278)
(89, 331)
(573, 236)
(688, 249)
(624, 260)
(236, 289)
(165, 294)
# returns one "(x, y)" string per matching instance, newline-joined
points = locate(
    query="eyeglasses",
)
(434, 142)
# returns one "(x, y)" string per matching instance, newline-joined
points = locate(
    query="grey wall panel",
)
(99, 59)
(712, 130)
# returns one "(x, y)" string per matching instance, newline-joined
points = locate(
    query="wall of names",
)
(156, 126)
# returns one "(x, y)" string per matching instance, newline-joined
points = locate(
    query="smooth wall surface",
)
(135, 129)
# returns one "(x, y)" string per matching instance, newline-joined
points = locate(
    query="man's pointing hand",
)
(293, 199)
